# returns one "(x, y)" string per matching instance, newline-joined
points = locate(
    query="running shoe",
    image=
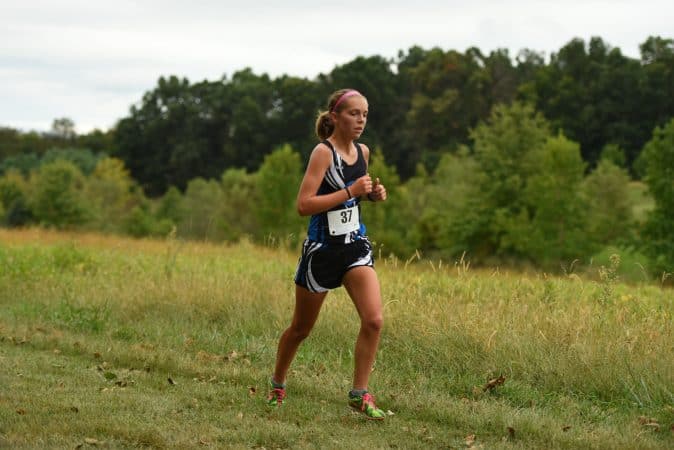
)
(366, 405)
(276, 396)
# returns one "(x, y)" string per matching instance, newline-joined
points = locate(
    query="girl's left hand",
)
(378, 193)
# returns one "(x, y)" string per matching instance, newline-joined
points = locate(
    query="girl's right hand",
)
(362, 186)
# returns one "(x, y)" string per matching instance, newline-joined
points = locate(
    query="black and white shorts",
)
(322, 267)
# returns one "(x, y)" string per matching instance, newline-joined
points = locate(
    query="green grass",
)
(121, 343)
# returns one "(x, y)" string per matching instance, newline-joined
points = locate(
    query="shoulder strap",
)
(336, 159)
(360, 151)
(328, 143)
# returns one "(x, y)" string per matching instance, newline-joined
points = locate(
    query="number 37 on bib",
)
(343, 221)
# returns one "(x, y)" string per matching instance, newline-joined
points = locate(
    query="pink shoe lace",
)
(276, 396)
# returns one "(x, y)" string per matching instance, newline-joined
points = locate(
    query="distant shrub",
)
(14, 198)
(112, 193)
(141, 222)
(238, 208)
(277, 182)
(609, 209)
(58, 195)
(83, 158)
(202, 206)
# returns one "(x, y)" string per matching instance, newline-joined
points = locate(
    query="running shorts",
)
(322, 267)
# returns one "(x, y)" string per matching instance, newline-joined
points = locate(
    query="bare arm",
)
(308, 202)
(378, 192)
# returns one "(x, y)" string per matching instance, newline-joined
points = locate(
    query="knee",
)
(372, 324)
(298, 333)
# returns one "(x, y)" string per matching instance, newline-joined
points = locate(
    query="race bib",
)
(343, 221)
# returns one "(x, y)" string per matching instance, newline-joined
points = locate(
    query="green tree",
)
(552, 226)
(238, 204)
(505, 150)
(447, 99)
(58, 195)
(14, 192)
(112, 193)
(614, 154)
(447, 217)
(171, 207)
(293, 112)
(277, 183)
(591, 92)
(176, 134)
(202, 206)
(64, 128)
(23, 162)
(83, 158)
(659, 158)
(609, 211)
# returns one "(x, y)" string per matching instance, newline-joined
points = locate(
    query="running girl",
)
(336, 251)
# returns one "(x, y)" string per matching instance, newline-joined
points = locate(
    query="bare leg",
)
(362, 285)
(307, 307)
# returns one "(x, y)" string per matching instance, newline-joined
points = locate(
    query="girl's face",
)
(351, 119)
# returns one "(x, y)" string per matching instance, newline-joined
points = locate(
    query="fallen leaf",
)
(231, 356)
(470, 440)
(20, 411)
(566, 428)
(171, 382)
(91, 441)
(511, 432)
(491, 384)
(390, 413)
(239, 416)
(251, 390)
(74, 409)
(643, 420)
(97, 355)
(649, 422)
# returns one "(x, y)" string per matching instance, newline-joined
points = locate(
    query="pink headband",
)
(345, 95)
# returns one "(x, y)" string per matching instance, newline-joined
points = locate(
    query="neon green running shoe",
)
(365, 404)
(276, 396)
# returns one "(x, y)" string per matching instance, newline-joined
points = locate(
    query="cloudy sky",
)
(91, 60)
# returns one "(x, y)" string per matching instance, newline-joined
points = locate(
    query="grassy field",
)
(119, 343)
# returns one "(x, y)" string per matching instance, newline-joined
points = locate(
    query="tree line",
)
(522, 160)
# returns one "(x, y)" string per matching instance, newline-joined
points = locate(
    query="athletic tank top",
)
(338, 176)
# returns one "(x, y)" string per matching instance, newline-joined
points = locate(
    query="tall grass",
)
(166, 344)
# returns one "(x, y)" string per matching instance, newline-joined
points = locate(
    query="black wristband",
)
(369, 197)
(347, 192)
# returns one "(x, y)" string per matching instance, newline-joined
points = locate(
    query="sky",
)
(91, 60)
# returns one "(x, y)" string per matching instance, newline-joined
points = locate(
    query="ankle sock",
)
(276, 385)
(357, 392)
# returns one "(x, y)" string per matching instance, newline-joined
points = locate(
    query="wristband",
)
(347, 192)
